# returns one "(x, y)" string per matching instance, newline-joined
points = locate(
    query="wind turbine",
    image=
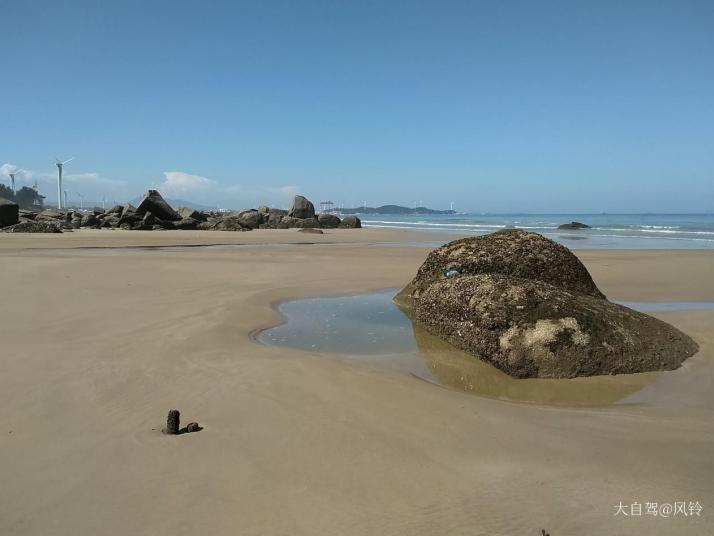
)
(59, 180)
(12, 182)
(81, 200)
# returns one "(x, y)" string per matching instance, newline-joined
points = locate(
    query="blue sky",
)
(498, 106)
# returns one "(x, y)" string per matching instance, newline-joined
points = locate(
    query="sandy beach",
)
(102, 335)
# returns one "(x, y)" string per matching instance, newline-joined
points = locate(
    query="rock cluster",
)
(154, 213)
(528, 306)
(173, 424)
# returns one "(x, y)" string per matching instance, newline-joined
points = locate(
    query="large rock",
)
(187, 224)
(329, 221)
(229, 223)
(90, 220)
(274, 216)
(287, 222)
(28, 214)
(528, 306)
(250, 218)
(9, 212)
(34, 227)
(188, 212)
(154, 203)
(573, 225)
(302, 208)
(351, 222)
(307, 223)
(52, 215)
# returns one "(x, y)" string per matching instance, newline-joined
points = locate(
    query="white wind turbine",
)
(81, 200)
(59, 180)
(12, 182)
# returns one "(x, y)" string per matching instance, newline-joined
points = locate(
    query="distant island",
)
(394, 209)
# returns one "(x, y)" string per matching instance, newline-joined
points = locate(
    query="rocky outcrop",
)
(351, 222)
(573, 225)
(9, 212)
(154, 203)
(33, 227)
(528, 306)
(302, 208)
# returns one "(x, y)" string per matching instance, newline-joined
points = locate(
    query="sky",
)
(499, 106)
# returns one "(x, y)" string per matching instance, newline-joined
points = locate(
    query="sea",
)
(607, 231)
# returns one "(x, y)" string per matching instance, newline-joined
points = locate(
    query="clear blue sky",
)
(498, 106)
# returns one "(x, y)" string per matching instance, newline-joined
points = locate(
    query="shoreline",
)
(335, 447)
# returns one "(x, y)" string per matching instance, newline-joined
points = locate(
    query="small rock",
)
(193, 427)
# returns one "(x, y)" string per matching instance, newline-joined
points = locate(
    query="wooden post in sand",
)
(172, 422)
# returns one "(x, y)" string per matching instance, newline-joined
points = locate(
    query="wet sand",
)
(97, 346)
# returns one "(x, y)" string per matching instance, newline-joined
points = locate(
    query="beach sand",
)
(98, 344)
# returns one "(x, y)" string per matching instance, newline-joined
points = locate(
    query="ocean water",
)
(609, 231)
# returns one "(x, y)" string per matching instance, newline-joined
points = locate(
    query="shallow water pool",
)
(372, 328)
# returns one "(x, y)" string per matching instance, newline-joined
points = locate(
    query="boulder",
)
(229, 223)
(187, 224)
(116, 209)
(250, 218)
(287, 222)
(307, 223)
(274, 216)
(264, 209)
(128, 209)
(149, 219)
(154, 203)
(28, 214)
(329, 221)
(351, 222)
(90, 220)
(52, 215)
(110, 221)
(33, 227)
(164, 224)
(528, 306)
(302, 208)
(188, 212)
(9, 212)
(573, 225)
(76, 220)
(130, 216)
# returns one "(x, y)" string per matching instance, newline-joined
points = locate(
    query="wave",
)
(482, 229)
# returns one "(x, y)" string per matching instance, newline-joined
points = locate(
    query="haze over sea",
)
(608, 231)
